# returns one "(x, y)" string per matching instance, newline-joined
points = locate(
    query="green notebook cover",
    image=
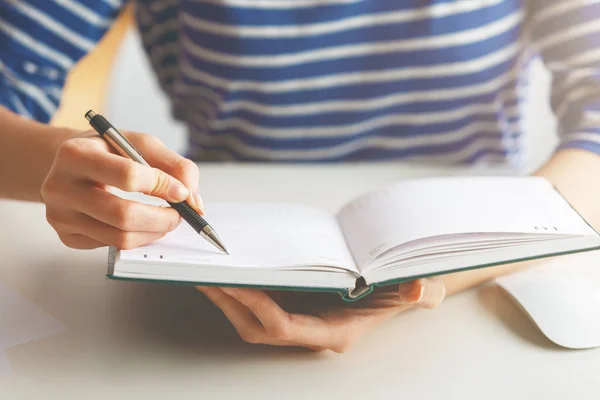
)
(360, 291)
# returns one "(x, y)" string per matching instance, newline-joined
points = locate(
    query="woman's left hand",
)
(259, 318)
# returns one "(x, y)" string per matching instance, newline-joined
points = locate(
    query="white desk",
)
(161, 340)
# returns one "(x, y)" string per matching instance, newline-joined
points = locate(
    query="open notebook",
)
(412, 229)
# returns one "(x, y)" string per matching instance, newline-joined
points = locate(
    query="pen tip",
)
(213, 238)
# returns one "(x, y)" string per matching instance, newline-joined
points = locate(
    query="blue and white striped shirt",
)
(330, 80)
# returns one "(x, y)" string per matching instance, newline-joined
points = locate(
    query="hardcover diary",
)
(409, 230)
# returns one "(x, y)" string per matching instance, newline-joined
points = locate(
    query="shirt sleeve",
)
(566, 34)
(40, 41)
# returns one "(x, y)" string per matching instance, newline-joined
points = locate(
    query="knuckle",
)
(48, 189)
(186, 166)
(44, 192)
(59, 223)
(282, 331)
(344, 342)
(149, 140)
(186, 171)
(125, 217)
(251, 336)
(67, 240)
(73, 148)
(130, 177)
(161, 182)
(255, 304)
(53, 222)
(51, 217)
(342, 347)
(124, 240)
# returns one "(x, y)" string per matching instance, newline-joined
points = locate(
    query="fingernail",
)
(411, 292)
(421, 290)
(177, 191)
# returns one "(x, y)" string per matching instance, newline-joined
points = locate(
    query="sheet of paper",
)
(260, 235)
(21, 321)
(416, 209)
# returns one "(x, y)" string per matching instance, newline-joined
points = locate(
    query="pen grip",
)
(190, 215)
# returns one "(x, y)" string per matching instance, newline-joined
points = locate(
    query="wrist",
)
(48, 141)
(27, 151)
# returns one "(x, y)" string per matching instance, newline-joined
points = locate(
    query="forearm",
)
(27, 150)
(574, 174)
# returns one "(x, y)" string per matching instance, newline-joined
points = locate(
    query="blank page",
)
(257, 236)
(421, 208)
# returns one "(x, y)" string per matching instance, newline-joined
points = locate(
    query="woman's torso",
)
(342, 80)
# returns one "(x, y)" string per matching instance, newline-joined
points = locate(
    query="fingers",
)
(124, 214)
(93, 163)
(74, 228)
(182, 169)
(259, 319)
(105, 207)
(80, 242)
(426, 293)
(159, 156)
(244, 322)
(307, 330)
(79, 204)
(433, 293)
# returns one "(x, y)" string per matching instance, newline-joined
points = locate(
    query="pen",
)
(126, 149)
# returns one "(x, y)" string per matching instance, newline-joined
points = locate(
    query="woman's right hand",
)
(86, 215)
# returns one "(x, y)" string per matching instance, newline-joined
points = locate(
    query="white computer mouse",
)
(562, 298)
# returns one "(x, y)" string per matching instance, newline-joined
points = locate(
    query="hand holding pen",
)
(86, 215)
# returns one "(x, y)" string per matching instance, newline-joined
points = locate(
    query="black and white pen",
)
(126, 149)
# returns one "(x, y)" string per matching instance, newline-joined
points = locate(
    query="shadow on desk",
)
(509, 312)
(179, 319)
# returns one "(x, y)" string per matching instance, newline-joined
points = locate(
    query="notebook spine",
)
(360, 290)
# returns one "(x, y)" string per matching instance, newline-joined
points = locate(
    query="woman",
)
(297, 81)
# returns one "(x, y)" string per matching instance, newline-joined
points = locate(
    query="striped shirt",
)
(330, 80)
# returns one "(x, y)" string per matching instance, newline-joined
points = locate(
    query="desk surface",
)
(160, 340)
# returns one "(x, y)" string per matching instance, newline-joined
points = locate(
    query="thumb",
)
(166, 187)
(187, 172)
(182, 169)
(426, 293)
